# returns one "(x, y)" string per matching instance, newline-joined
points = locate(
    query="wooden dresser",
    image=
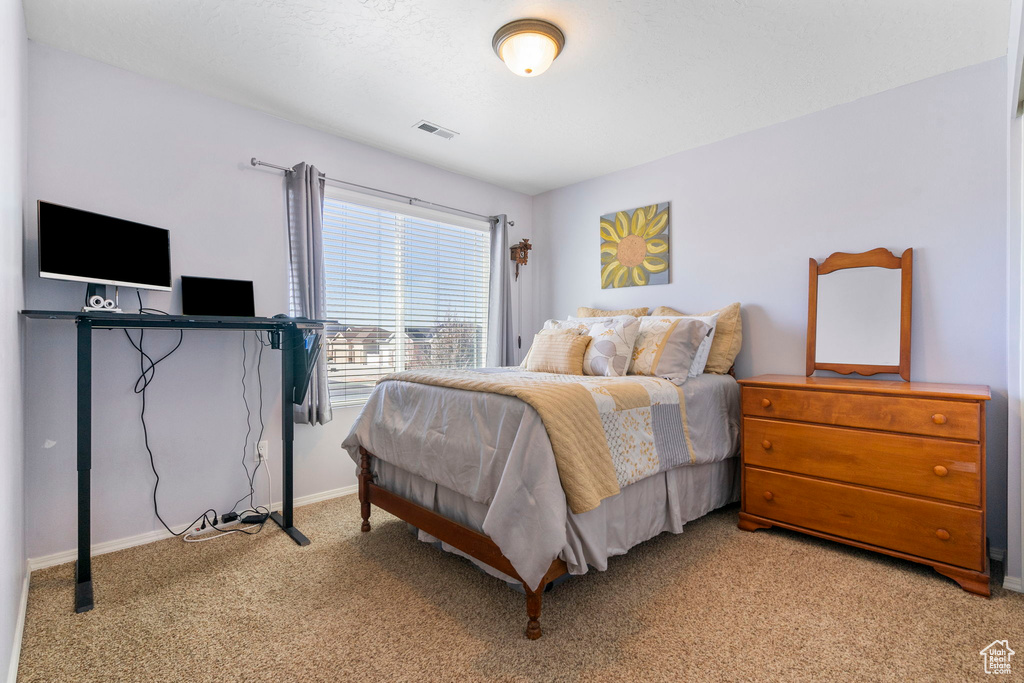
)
(895, 467)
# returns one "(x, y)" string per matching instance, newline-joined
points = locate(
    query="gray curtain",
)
(500, 336)
(305, 189)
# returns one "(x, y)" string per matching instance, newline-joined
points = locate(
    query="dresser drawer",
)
(936, 531)
(948, 470)
(931, 417)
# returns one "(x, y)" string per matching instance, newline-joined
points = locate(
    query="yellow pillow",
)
(559, 351)
(728, 336)
(584, 312)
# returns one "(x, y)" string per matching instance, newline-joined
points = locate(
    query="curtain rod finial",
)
(253, 161)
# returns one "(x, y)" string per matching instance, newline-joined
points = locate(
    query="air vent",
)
(435, 129)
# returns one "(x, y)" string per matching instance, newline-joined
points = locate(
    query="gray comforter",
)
(494, 451)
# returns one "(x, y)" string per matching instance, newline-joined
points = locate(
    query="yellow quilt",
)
(605, 432)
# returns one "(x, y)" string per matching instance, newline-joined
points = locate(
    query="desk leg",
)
(83, 568)
(290, 347)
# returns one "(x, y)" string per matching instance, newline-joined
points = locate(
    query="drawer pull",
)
(939, 419)
(765, 402)
(768, 495)
(940, 471)
(766, 444)
(942, 534)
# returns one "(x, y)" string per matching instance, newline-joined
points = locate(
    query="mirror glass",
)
(858, 316)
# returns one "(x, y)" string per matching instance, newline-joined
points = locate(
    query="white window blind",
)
(408, 292)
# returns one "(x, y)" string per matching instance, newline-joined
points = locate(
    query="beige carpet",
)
(714, 603)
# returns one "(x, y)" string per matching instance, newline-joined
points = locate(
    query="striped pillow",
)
(559, 351)
(728, 336)
(667, 346)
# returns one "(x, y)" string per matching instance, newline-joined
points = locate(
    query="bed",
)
(476, 472)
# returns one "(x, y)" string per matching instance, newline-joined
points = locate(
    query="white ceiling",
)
(638, 80)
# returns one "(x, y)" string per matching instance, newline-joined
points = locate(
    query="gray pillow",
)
(666, 346)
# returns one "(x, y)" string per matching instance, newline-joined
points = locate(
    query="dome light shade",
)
(528, 46)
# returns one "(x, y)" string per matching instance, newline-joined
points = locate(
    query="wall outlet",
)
(262, 450)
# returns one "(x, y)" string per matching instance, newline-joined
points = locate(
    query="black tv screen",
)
(216, 296)
(89, 247)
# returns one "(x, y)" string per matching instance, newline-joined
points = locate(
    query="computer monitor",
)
(82, 246)
(217, 296)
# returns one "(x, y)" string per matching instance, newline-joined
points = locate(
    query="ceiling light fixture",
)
(528, 46)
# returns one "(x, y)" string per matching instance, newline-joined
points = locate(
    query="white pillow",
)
(611, 350)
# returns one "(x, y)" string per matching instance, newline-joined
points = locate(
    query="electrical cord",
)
(259, 377)
(263, 426)
(248, 430)
(190, 536)
(146, 375)
(251, 476)
(147, 372)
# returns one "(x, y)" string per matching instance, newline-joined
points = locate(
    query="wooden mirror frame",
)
(881, 258)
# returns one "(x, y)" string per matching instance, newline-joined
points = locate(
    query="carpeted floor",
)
(714, 603)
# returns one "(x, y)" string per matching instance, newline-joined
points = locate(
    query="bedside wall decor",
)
(520, 254)
(635, 247)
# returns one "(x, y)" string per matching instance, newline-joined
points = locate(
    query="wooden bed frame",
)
(471, 542)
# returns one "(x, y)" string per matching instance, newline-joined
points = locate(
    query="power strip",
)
(199, 531)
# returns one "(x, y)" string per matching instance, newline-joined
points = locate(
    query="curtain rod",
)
(411, 200)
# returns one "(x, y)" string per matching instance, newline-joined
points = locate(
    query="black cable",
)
(250, 477)
(259, 509)
(146, 375)
(259, 378)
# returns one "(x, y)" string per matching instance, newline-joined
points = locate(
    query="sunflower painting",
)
(634, 247)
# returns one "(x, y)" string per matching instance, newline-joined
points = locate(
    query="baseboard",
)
(322, 496)
(19, 630)
(1013, 583)
(63, 557)
(997, 554)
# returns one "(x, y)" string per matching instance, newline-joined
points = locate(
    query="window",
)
(408, 291)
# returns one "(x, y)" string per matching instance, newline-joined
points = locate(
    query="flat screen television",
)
(89, 247)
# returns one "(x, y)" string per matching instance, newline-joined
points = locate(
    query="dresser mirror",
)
(858, 314)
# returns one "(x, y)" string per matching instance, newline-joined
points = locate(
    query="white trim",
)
(19, 630)
(1013, 583)
(65, 556)
(322, 496)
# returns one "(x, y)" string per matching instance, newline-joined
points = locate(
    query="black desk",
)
(287, 335)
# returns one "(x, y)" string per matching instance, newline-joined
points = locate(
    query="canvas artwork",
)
(634, 247)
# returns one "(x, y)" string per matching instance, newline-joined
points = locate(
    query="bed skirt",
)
(651, 506)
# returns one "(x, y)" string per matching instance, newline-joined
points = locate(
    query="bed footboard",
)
(467, 540)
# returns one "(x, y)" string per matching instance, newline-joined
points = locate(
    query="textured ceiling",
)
(638, 80)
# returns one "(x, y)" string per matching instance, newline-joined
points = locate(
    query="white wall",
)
(13, 43)
(920, 166)
(118, 143)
